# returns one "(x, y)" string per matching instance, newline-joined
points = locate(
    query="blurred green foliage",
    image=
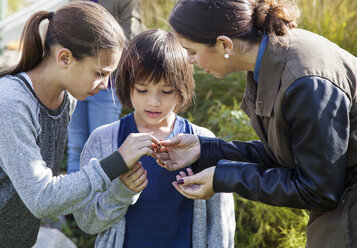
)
(334, 19)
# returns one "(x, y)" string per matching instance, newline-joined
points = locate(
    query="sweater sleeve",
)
(42, 193)
(106, 208)
(317, 113)
(221, 223)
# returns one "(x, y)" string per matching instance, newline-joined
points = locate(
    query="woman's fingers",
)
(182, 174)
(185, 191)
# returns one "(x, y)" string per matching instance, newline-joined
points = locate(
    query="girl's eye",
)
(100, 74)
(191, 53)
(168, 92)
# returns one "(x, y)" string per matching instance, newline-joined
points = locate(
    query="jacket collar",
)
(272, 66)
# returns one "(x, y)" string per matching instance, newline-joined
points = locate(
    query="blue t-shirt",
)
(162, 217)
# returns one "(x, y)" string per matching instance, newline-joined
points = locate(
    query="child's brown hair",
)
(151, 56)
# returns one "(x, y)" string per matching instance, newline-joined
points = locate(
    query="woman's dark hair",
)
(83, 27)
(149, 57)
(202, 21)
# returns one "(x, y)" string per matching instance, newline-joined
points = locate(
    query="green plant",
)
(261, 225)
(334, 19)
(155, 13)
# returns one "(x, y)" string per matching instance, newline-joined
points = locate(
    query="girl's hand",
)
(199, 186)
(137, 145)
(136, 178)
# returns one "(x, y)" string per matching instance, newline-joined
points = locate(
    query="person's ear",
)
(64, 57)
(226, 44)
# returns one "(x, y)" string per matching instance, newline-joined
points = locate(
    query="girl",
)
(141, 208)
(82, 47)
(98, 110)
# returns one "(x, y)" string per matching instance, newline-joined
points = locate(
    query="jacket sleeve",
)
(317, 113)
(109, 207)
(215, 149)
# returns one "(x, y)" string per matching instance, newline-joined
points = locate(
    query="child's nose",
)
(154, 100)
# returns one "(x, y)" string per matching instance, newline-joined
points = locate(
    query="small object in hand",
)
(180, 181)
(158, 147)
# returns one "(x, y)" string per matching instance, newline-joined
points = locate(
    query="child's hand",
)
(135, 146)
(136, 178)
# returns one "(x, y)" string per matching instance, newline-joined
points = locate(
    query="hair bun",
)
(275, 17)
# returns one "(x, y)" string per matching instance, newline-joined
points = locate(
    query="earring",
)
(226, 56)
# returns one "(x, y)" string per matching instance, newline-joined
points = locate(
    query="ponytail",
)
(31, 43)
(83, 27)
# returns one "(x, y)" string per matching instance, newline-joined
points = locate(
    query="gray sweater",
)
(32, 141)
(213, 223)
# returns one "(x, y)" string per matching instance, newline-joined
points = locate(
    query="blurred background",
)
(216, 107)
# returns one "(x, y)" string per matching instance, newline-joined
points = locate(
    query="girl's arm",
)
(21, 160)
(106, 208)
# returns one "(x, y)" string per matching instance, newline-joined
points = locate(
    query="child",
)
(82, 47)
(142, 208)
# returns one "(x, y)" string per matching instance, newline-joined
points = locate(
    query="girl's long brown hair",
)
(83, 27)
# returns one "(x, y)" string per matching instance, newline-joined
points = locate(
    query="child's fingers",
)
(133, 170)
(141, 182)
(136, 174)
(136, 166)
(142, 186)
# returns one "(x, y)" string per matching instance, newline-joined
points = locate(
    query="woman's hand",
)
(137, 145)
(178, 152)
(136, 178)
(198, 186)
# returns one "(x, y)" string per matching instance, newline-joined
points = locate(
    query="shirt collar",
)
(261, 51)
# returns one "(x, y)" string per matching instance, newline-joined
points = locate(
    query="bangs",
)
(150, 57)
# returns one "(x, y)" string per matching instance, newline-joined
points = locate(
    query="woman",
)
(300, 98)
